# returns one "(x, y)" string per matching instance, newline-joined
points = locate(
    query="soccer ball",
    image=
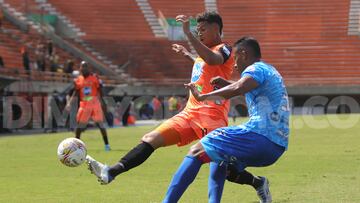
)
(71, 152)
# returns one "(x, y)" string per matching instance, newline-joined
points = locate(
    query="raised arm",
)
(209, 56)
(181, 49)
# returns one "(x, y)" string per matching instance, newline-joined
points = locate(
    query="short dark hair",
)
(251, 43)
(84, 64)
(210, 17)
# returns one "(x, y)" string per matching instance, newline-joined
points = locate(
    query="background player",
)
(88, 88)
(198, 118)
(258, 142)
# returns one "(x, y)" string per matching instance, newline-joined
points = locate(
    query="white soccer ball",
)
(72, 152)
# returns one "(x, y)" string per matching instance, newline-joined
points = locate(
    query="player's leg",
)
(259, 183)
(243, 177)
(98, 117)
(186, 173)
(241, 148)
(173, 131)
(216, 181)
(104, 135)
(217, 171)
(82, 118)
(177, 130)
(78, 130)
(139, 154)
(133, 158)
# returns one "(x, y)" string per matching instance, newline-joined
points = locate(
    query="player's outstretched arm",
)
(220, 82)
(240, 87)
(210, 57)
(181, 49)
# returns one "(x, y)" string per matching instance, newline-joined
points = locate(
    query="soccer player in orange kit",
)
(88, 88)
(215, 59)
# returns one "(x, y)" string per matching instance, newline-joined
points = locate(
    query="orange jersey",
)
(88, 87)
(201, 76)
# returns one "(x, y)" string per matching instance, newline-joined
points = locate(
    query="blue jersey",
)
(268, 104)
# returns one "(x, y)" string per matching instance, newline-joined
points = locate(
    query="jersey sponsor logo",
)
(87, 91)
(199, 87)
(197, 70)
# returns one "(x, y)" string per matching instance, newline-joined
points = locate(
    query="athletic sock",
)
(133, 158)
(116, 169)
(243, 177)
(216, 182)
(183, 177)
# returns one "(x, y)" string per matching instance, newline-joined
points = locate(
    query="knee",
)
(154, 139)
(194, 151)
(148, 138)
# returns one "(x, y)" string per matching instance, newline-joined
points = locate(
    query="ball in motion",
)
(71, 152)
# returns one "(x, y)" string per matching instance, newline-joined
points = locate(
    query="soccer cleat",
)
(107, 148)
(263, 191)
(101, 171)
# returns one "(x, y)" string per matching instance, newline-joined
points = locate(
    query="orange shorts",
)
(186, 127)
(90, 111)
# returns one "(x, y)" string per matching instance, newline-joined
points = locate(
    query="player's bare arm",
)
(182, 50)
(220, 82)
(209, 56)
(240, 87)
(101, 99)
(74, 94)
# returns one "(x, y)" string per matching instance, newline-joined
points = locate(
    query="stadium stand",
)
(13, 40)
(306, 40)
(127, 41)
(9, 49)
(107, 19)
(29, 39)
(170, 10)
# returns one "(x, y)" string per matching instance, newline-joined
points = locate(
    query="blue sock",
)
(183, 177)
(216, 182)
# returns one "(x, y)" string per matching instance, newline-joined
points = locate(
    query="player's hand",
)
(195, 92)
(68, 107)
(180, 49)
(185, 22)
(219, 81)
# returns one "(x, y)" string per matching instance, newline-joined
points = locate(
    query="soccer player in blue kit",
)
(258, 142)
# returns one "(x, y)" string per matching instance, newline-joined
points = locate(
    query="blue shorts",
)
(234, 145)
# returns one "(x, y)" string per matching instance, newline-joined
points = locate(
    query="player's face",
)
(84, 70)
(206, 32)
(240, 59)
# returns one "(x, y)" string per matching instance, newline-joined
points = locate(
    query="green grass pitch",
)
(321, 165)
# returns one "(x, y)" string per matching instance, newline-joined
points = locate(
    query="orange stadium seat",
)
(307, 41)
(119, 30)
(171, 9)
